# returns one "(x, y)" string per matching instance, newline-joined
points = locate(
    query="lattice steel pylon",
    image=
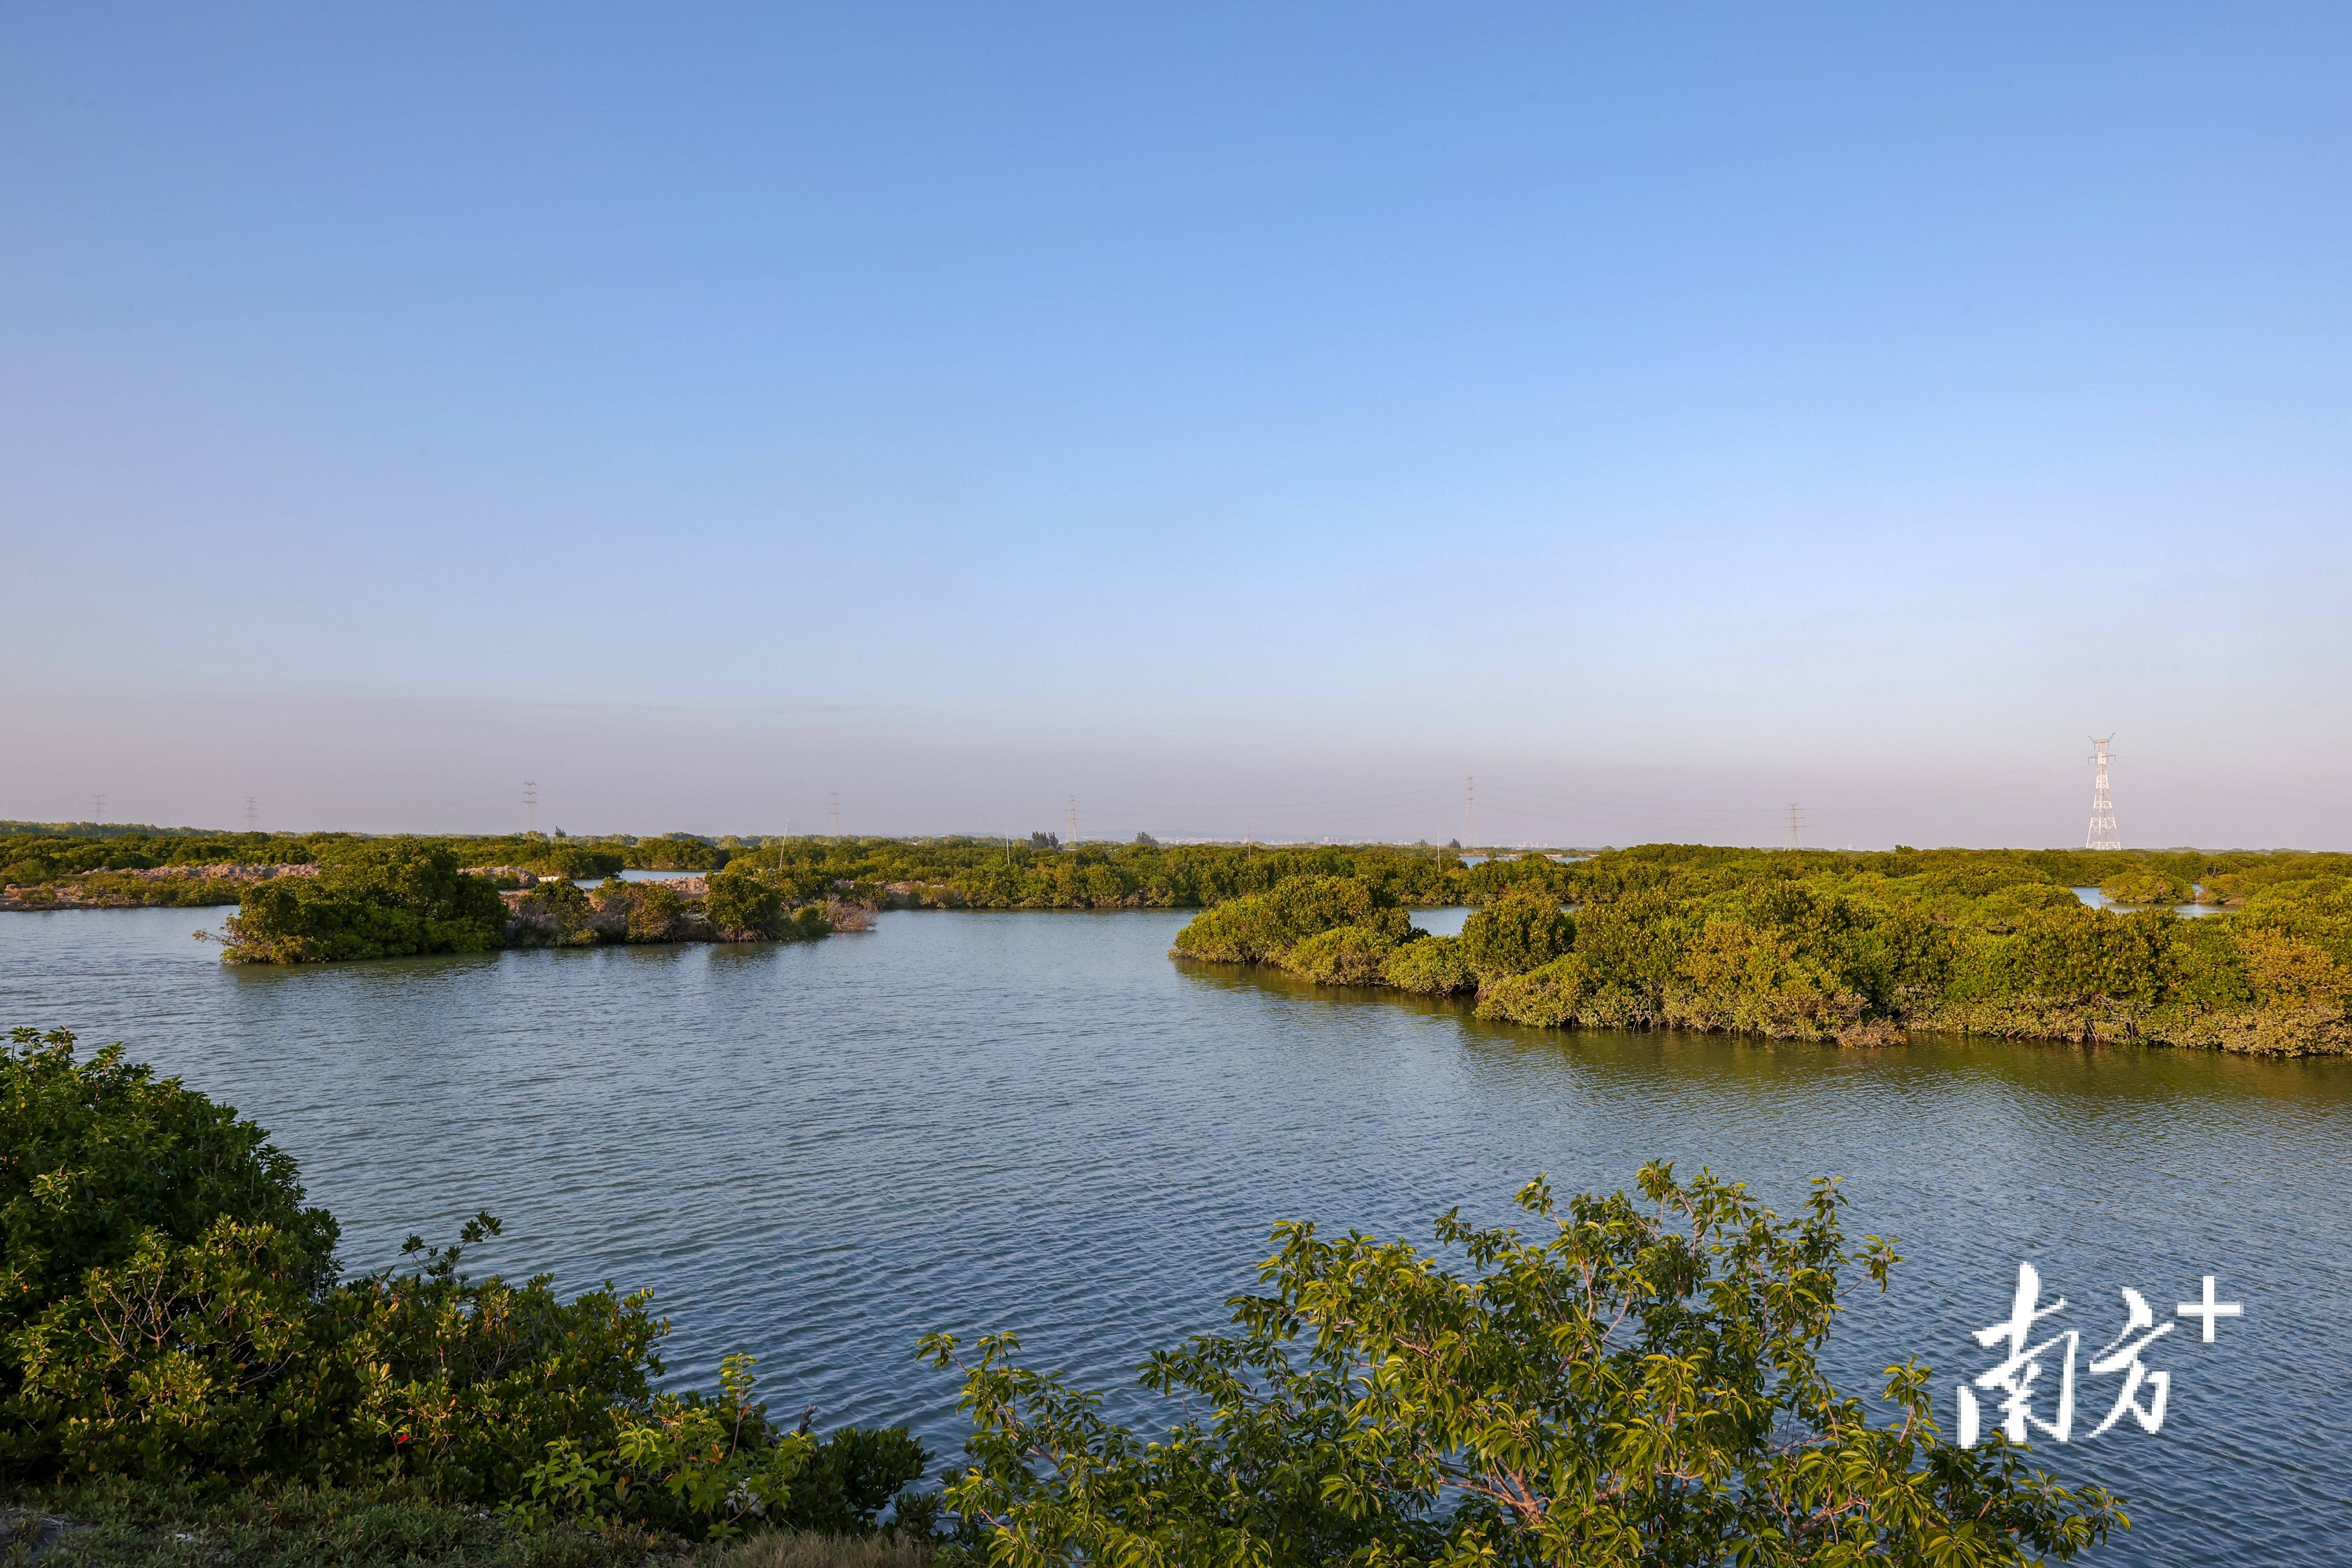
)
(2103, 834)
(1794, 841)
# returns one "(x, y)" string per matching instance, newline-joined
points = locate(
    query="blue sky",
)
(1248, 419)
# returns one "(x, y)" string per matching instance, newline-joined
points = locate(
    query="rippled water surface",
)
(1038, 1121)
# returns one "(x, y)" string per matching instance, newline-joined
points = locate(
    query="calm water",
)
(971, 1121)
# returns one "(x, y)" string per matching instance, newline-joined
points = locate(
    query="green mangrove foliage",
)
(397, 897)
(955, 872)
(48, 864)
(378, 898)
(738, 906)
(170, 1312)
(1855, 948)
(1635, 1385)
(1262, 927)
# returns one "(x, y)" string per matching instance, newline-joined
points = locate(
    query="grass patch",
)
(125, 1524)
(793, 1549)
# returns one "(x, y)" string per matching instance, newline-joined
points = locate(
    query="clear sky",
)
(1247, 419)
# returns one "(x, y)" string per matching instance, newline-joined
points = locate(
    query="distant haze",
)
(1250, 421)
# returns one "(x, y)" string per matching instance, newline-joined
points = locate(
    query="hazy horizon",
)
(1248, 422)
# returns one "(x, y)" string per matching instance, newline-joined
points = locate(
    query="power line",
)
(2102, 834)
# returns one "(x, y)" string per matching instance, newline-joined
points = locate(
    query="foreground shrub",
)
(111, 1180)
(107, 1521)
(711, 1467)
(1636, 1385)
(168, 1315)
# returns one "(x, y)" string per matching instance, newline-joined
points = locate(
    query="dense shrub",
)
(123, 1197)
(1855, 948)
(377, 899)
(743, 908)
(555, 913)
(649, 912)
(1432, 966)
(676, 852)
(168, 1313)
(1637, 1382)
(385, 897)
(1516, 933)
(1265, 926)
(1344, 955)
(570, 858)
(2144, 888)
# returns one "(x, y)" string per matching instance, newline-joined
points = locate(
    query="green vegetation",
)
(384, 898)
(1635, 1385)
(378, 898)
(1807, 945)
(113, 1524)
(185, 1380)
(173, 1334)
(111, 1521)
(952, 873)
(1857, 948)
(738, 906)
(1039, 873)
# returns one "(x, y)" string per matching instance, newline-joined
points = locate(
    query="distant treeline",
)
(956, 872)
(1852, 947)
(1039, 873)
(33, 860)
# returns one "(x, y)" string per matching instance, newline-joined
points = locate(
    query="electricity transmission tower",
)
(2103, 834)
(1469, 810)
(98, 808)
(1794, 842)
(1074, 820)
(252, 805)
(833, 805)
(530, 803)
